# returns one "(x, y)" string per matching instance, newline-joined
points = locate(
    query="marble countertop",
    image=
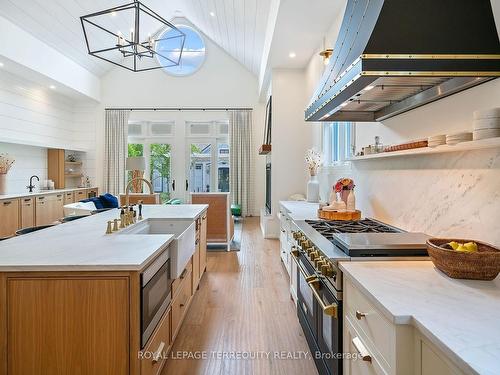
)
(35, 193)
(300, 210)
(459, 316)
(82, 245)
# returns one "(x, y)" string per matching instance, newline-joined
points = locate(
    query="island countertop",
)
(458, 316)
(82, 245)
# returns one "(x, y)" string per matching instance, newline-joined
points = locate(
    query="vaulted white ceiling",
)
(238, 26)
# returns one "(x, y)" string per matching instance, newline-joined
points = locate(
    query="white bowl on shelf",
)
(486, 133)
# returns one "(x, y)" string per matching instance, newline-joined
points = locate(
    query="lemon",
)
(471, 247)
(454, 245)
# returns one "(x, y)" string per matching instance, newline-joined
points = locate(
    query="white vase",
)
(351, 201)
(3, 183)
(313, 189)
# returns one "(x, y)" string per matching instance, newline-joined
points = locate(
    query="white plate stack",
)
(436, 140)
(486, 124)
(453, 139)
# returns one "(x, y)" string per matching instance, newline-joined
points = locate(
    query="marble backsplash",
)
(444, 195)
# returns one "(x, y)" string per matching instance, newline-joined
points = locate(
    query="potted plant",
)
(5, 165)
(313, 162)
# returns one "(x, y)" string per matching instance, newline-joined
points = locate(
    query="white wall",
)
(39, 118)
(291, 135)
(220, 82)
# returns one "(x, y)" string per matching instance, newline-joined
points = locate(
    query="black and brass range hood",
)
(395, 55)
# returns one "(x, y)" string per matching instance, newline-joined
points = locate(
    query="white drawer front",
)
(367, 362)
(381, 334)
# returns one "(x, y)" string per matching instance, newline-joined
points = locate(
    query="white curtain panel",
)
(241, 171)
(115, 150)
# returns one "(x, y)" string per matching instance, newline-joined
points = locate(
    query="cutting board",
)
(336, 215)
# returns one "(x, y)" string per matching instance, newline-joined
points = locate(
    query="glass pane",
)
(348, 140)
(335, 142)
(160, 167)
(134, 149)
(169, 51)
(223, 167)
(200, 167)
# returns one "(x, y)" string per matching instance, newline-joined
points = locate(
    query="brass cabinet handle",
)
(27, 200)
(157, 355)
(204, 218)
(330, 310)
(181, 305)
(300, 268)
(362, 351)
(197, 241)
(360, 315)
(6, 203)
(183, 274)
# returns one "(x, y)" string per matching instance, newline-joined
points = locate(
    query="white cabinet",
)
(388, 348)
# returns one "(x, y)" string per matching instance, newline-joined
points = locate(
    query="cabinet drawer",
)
(177, 282)
(366, 362)
(381, 334)
(9, 216)
(180, 303)
(196, 267)
(80, 194)
(157, 348)
(69, 197)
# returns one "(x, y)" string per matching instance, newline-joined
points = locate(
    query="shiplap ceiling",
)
(238, 26)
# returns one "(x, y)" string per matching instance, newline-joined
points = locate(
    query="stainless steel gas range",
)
(318, 248)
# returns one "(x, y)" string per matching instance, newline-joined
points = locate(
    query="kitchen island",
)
(72, 296)
(411, 318)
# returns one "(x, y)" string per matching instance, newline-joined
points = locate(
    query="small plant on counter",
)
(5, 163)
(313, 161)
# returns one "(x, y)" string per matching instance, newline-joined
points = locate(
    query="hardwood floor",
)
(243, 307)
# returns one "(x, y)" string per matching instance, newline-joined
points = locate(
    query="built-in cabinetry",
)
(286, 243)
(39, 209)
(383, 347)
(52, 322)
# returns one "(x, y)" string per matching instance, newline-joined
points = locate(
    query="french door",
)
(185, 153)
(207, 165)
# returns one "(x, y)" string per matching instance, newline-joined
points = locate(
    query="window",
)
(193, 53)
(337, 142)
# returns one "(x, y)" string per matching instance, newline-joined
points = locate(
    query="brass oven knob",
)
(319, 261)
(327, 270)
(309, 250)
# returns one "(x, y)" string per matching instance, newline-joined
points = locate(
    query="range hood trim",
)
(384, 41)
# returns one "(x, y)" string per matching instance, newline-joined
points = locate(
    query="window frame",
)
(334, 142)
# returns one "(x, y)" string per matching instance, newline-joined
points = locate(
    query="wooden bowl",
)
(481, 265)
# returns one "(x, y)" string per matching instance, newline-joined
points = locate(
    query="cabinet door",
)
(57, 207)
(203, 244)
(94, 192)
(43, 214)
(9, 215)
(27, 212)
(69, 197)
(66, 333)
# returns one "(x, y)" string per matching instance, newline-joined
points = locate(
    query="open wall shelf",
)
(463, 146)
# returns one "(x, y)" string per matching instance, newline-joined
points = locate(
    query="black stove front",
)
(320, 315)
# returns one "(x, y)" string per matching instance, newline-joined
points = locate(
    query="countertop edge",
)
(410, 320)
(45, 192)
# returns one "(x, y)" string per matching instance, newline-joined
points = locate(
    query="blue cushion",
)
(109, 201)
(97, 202)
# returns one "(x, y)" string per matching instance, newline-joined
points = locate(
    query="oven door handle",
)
(295, 258)
(330, 310)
